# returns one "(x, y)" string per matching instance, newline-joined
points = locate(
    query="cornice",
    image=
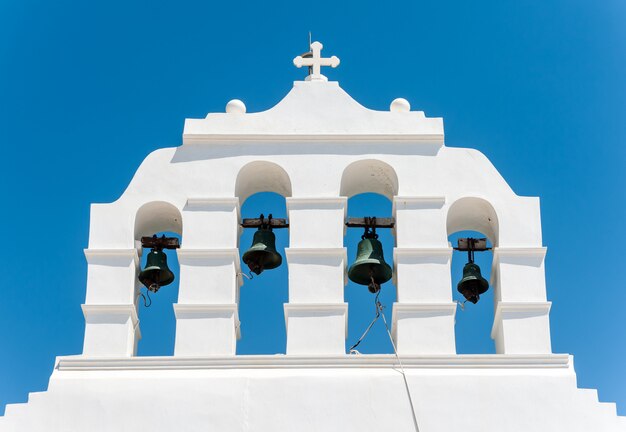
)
(484, 362)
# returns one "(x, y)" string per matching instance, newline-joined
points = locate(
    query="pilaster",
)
(211, 223)
(423, 274)
(110, 330)
(521, 320)
(316, 315)
(420, 221)
(423, 317)
(316, 328)
(111, 275)
(316, 222)
(207, 320)
(522, 328)
(206, 329)
(424, 328)
(206, 314)
(111, 324)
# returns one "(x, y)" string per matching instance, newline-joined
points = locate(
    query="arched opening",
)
(262, 187)
(262, 296)
(262, 176)
(370, 186)
(369, 175)
(473, 218)
(157, 321)
(360, 301)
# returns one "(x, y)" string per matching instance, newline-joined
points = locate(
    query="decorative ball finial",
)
(235, 106)
(315, 62)
(400, 105)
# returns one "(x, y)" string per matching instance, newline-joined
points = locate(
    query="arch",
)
(157, 216)
(369, 175)
(357, 296)
(158, 326)
(263, 333)
(262, 176)
(473, 214)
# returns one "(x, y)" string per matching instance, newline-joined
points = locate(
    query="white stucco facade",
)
(317, 147)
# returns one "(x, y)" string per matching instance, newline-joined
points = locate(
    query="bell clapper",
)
(373, 287)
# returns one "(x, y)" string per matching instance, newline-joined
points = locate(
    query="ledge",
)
(119, 310)
(213, 204)
(316, 309)
(425, 251)
(340, 252)
(537, 252)
(195, 311)
(94, 255)
(418, 202)
(529, 308)
(281, 361)
(328, 202)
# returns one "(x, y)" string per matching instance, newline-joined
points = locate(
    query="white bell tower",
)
(317, 147)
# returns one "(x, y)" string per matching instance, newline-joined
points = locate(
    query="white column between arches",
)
(316, 315)
(423, 316)
(207, 320)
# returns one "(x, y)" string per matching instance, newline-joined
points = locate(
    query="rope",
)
(369, 327)
(380, 313)
(406, 383)
(146, 303)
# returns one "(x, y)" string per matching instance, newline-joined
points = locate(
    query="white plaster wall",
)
(318, 147)
(176, 174)
(472, 395)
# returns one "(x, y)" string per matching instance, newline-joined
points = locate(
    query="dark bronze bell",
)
(370, 267)
(156, 273)
(262, 254)
(473, 284)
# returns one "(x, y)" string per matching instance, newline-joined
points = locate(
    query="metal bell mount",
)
(370, 267)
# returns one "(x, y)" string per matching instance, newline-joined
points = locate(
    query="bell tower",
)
(317, 148)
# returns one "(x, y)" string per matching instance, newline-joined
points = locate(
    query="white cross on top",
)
(315, 61)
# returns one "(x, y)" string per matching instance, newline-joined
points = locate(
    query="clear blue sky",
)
(88, 89)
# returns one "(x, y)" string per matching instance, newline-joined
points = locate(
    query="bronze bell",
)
(370, 267)
(473, 284)
(156, 273)
(262, 255)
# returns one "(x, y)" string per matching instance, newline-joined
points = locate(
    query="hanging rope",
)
(369, 327)
(406, 383)
(248, 276)
(146, 302)
(378, 314)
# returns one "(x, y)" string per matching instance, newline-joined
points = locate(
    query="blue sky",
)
(88, 89)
